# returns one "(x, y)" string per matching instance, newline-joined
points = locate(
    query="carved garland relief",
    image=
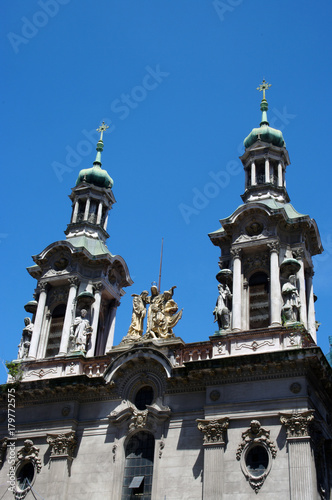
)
(255, 453)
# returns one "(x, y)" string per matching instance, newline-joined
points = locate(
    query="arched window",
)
(144, 396)
(54, 336)
(137, 481)
(259, 315)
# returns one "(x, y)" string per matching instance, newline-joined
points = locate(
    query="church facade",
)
(242, 415)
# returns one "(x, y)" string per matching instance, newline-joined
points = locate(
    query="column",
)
(39, 320)
(275, 292)
(237, 289)
(105, 223)
(214, 447)
(100, 212)
(245, 306)
(87, 209)
(110, 337)
(301, 464)
(299, 255)
(280, 183)
(246, 178)
(74, 219)
(267, 170)
(311, 304)
(253, 173)
(73, 284)
(95, 319)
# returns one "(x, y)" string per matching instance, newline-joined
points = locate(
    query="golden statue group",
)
(162, 315)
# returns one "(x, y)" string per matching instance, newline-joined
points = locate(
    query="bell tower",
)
(266, 266)
(79, 281)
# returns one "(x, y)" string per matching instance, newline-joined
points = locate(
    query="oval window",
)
(257, 460)
(25, 475)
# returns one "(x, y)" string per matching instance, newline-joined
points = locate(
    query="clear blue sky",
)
(176, 81)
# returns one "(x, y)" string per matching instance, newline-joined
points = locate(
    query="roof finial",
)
(263, 86)
(102, 129)
(100, 144)
(264, 106)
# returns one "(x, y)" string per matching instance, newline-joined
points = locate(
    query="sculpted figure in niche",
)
(139, 312)
(291, 309)
(23, 347)
(163, 314)
(80, 332)
(222, 310)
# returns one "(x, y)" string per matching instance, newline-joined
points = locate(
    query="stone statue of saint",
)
(222, 310)
(290, 311)
(23, 347)
(80, 332)
(139, 312)
(163, 314)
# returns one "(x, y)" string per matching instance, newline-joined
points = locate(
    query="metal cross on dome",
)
(263, 86)
(102, 129)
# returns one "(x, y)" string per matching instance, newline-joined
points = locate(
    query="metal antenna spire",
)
(161, 261)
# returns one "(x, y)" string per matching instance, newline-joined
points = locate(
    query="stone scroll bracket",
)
(62, 447)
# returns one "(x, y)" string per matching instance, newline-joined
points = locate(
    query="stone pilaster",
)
(301, 464)
(275, 292)
(237, 289)
(39, 320)
(299, 255)
(280, 175)
(267, 170)
(311, 305)
(110, 337)
(73, 282)
(253, 173)
(214, 445)
(62, 448)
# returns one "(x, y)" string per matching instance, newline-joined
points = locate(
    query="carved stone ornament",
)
(29, 452)
(114, 451)
(256, 261)
(256, 436)
(127, 413)
(59, 294)
(274, 246)
(213, 430)
(161, 447)
(42, 286)
(138, 420)
(297, 423)
(298, 253)
(236, 253)
(62, 445)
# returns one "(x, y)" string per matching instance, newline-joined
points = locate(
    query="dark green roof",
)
(96, 176)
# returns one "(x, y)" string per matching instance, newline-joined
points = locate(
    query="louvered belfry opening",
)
(259, 309)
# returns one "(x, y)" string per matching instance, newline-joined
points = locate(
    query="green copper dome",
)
(96, 175)
(264, 133)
